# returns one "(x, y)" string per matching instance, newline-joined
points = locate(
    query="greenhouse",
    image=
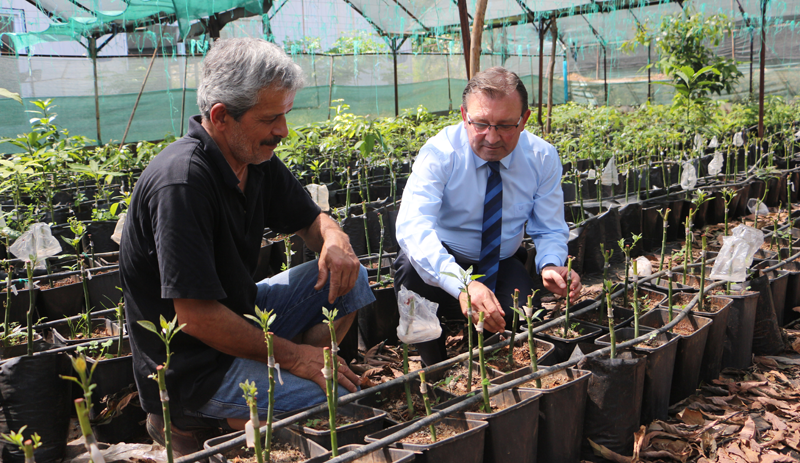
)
(400, 230)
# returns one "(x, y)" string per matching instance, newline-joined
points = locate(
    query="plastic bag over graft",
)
(610, 173)
(418, 322)
(736, 254)
(36, 244)
(688, 176)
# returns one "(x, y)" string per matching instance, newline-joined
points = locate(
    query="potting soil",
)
(522, 358)
(548, 382)
(395, 405)
(423, 436)
(321, 424)
(457, 376)
(558, 332)
(279, 453)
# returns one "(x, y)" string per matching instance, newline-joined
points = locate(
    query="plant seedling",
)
(635, 301)
(728, 194)
(265, 318)
(26, 445)
(423, 390)
(167, 332)
(567, 325)
(608, 286)
(252, 427)
(664, 213)
(465, 279)
(482, 359)
(330, 392)
(514, 319)
(82, 406)
(527, 312)
(407, 385)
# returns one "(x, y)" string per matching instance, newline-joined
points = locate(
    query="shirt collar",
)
(211, 149)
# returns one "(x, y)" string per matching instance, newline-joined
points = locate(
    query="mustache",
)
(271, 141)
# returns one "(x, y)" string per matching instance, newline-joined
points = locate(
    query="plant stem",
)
(687, 252)
(407, 385)
(663, 239)
(90, 442)
(612, 337)
(532, 342)
(380, 250)
(161, 373)
(635, 301)
(484, 380)
(514, 318)
(669, 294)
(702, 275)
(7, 316)
(31, 306)
(88, 328)
(271, 399)
(469, 340)
(423, 389)
(256, 427)
(568, 302)
(329, 390)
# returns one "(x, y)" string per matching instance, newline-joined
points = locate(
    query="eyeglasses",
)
(484, 128)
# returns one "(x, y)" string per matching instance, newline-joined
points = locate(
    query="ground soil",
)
(320, 423)
(455, 381)
(70, 280)
(548, 382)
(395, 405)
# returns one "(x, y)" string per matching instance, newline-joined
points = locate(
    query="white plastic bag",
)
(117, 235)
(736, 254)
(762, 208)
(688, 176)
(319, 193)
(715, 166)
(38, 242)
(738, 140)
(610, 173)
(714, 143)
(418, 322)
(699, 142)
(644, 268)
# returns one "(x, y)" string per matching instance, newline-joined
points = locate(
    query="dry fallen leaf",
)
(602, 451)
(692, 417)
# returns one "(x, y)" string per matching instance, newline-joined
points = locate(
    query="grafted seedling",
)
(482, 359)
(530, 316)
(514, 318)
(265, 318)
(26, 445)
(608, 286)
(423, 390)
(465, 278)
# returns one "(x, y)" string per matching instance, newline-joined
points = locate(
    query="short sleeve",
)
(183, 221)
(288, 206)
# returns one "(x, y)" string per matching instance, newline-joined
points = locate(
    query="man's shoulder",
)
(446, 144)
(177, 163)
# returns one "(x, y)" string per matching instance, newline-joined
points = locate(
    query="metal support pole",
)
(605, 73)
(541, 72)
(394, 60)
(330, 89)
(183, 90)
(751, 63)
(138, 97)
(761, 66)
(649, 81)
(554, 33)
(93, 55)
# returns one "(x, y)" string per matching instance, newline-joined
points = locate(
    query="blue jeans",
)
(298, 307)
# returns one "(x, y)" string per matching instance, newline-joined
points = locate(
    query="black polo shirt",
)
(191, 233)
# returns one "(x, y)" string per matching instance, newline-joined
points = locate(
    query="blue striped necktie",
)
(492, 227)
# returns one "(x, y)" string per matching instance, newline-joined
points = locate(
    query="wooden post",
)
(463, 18)
(554, 34)
(449, 94)
(649, 81)
(477, 35)
(541, 72)
(605, 73)
(138, 97)
(93, 56)
(751, 63)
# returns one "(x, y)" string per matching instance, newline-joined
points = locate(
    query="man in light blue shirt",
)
(441, 224)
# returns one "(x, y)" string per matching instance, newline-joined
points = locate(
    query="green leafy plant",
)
(265, 318)
(530, 316)
(26, 445)
(465, 278)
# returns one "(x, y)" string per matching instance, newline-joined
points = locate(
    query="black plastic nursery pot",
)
(61, 331)
(465, 447)
(308, 447)
(18, 305)
(378, 321)
(104, 289)
(767, 337)
(614, 402)
(561, 409)
(39, 345)
(366, 421)
(662, 284)
(99, 235)
(658, 373)
(114, 381)
(512, 434)
(689, 355)
(576, 246)
(563, 347)
(778, 283)
(738, 348)
(384, 455)
(715, 308)
(380, 399)
(32, 394)
(792, 288)
(58, 302)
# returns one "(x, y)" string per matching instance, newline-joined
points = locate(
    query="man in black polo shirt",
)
(190, 247)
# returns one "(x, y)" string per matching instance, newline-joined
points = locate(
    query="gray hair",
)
(235, 70)
(496, 81)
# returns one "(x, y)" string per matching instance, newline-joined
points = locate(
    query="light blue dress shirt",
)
(443, 203)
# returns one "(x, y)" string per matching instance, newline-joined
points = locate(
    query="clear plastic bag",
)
(117, 235)
(762, 208)
(36, 244)
(714, 143)
(610, 173)
(715, 166)
(736, 254)
(699, 142)
(319, 193)
(418, 322)
(644, 268)
(688, 176)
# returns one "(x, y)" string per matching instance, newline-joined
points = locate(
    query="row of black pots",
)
(65, 300)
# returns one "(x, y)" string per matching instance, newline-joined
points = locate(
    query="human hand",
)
(337, 261)
(554, 279)
(309, 362)
(483, 300)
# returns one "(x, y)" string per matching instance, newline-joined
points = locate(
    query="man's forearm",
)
(315, 234)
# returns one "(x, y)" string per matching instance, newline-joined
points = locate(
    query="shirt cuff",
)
(450, 284)
(548, 259)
